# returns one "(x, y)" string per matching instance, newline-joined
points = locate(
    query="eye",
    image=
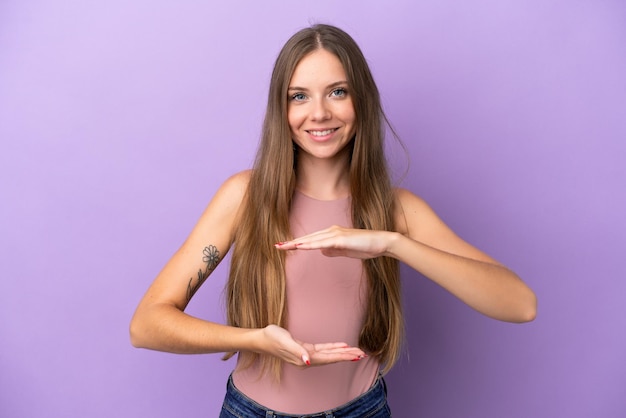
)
(340, 92)
(298, 97)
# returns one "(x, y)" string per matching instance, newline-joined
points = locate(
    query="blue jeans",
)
(372, 404)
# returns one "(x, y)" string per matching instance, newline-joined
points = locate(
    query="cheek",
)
(350, 119)
(294, 119)
(346, 112)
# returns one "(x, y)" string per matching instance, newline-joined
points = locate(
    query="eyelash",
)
(295, 96)
(342, 90)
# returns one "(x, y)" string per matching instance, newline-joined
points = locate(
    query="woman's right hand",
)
(279, 342)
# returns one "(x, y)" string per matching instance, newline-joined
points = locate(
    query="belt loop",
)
(329, 414)
(269, 414)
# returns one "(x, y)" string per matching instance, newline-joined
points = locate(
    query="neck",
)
(323, 179)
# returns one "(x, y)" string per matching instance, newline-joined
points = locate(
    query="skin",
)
(320, 103)
(321, 114)
(319, 100)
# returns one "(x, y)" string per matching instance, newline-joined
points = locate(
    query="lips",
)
(321, 133)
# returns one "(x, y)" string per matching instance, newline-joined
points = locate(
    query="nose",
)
(320, 110)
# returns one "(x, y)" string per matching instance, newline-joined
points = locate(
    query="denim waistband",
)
(372, 403)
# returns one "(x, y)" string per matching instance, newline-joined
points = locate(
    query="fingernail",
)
(308, 363)
(306, 360)
(356, 359)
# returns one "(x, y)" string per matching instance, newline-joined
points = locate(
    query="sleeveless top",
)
(326, 300)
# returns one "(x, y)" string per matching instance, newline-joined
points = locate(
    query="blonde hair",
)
(256, 288)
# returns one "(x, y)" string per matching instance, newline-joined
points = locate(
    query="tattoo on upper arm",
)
(211, 257)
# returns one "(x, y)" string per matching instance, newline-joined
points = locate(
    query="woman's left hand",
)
(337, 241)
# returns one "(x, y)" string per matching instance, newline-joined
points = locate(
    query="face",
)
(320, 111)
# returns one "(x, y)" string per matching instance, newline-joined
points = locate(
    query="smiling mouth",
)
(323, 133)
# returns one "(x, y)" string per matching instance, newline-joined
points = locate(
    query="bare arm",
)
(160, 323)
(427, 245)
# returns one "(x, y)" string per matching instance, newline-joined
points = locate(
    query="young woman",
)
(317, 231)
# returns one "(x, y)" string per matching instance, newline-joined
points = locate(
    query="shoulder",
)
(223, 209)
(413, 215)
(233, 190)
(417, 220)
(238, 182)
(408, 200)
(408, 208)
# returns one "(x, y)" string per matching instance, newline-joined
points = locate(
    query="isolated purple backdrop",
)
(119, 120)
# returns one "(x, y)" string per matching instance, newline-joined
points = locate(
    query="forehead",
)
(318, 67)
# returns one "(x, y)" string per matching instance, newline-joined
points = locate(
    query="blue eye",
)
(298, 97)
(340, 92)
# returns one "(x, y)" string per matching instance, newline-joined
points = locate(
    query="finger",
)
(337, 348)
(321, 241)
(309, 238)
(328, 346)
(306, 359)
(328, 358)
(300, 355)
(352, 352)
(286, 348)
(297, 356)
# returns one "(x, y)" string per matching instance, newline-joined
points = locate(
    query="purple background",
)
(119, 120)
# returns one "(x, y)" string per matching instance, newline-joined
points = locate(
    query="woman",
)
(317, 233)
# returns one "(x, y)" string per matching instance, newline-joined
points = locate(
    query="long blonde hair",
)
(256, 288)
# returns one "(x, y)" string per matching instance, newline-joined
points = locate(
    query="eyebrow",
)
(330, 86)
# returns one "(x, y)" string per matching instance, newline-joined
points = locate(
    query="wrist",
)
(255, 340)
(393, 241)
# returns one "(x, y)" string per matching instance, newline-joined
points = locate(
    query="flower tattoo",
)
(211, 257)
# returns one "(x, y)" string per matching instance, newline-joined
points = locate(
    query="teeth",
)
(322, 133)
